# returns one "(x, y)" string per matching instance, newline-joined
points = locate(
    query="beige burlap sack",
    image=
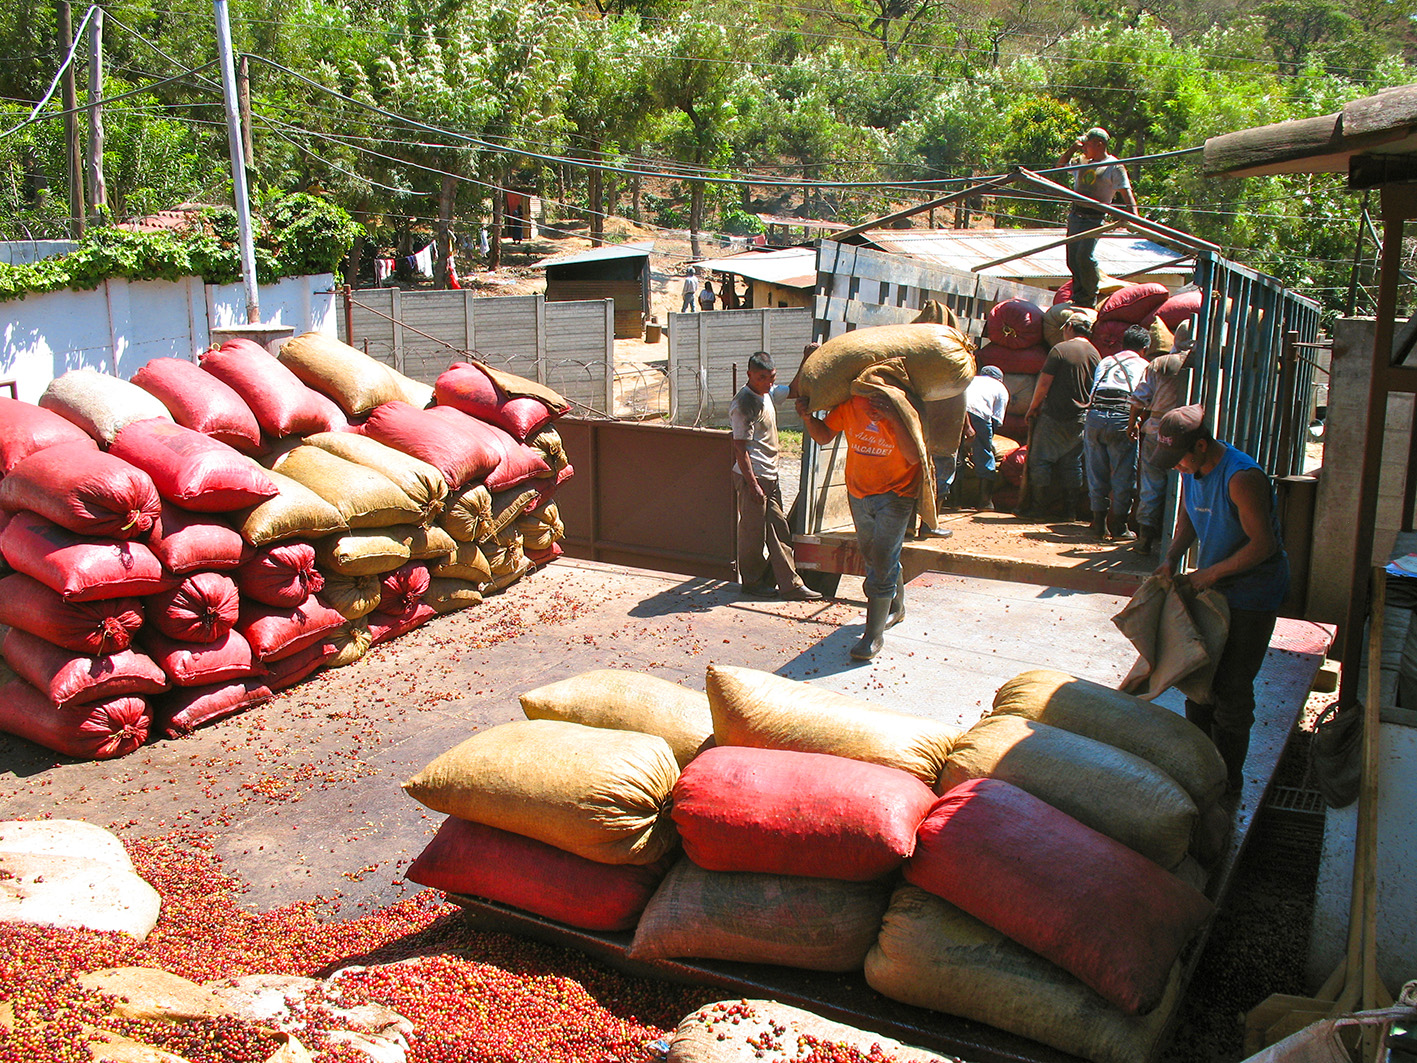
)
(937, 360)
(467, 514)
(1115, 793)
(448, 595)
(541, 527)
(355, 381)
(510, 505)
(752, 708)
(297, 512)
(361, 553)
(1056, 316)
(597, 793)
(351, 596)
(415, 392)
(420, 481)
(735, 1031)
(1149, 731)
(100, 404)
(933, 955)
(812, 923)
(364, 497)
(553, 450)
(428, 543)
(504, 558)
(353, 641)
(466, 562)
(506, 579)
(628, 701)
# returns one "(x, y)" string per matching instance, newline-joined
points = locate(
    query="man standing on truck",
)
(883, 468)
(1104, 180)
(1228, 509)
(1055, 421)
(762, 524)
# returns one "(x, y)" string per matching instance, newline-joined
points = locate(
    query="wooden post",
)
(73, 150)
(243, 106)
(98, 189)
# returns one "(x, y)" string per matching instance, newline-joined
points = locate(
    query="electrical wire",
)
(58, 74)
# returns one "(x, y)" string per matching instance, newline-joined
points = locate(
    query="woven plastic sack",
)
(68, 679)
(731, 1031)
(26, 429)
(471, 858)
(191, 470)
(1056, 316)
(1107, 336)
(361, 553)
(202, 608)
(467, 516)
(282, 404)
(1114, 792)
(448, 595)
(282, 574)
(628, 701)
(1015, 323)
(813, 923)
(84, 490)
(79, 568)
(351, 596)
(421, 482)
(351, 643)
(182, 711)
(403, 588)
(454, 448)
(355, 381)
(364, 497)
(1010, 360)
(290, 670)
(467, 562)
(275, 632)
(199, 401)
(189, 542)
(100, 404)
(197, 664)
(516, 462)
(426, 544)
(384, 627)
(1135, 304)
(600, 794)
(1097, 909)
(98, 628)
(936, 358)
(1156, 734)
(1180, 307)
(296, 513)
(932, 955)
(752, 708)
(99, 730)
(780, 812)
(467, 387)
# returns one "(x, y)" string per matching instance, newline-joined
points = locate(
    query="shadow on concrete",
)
(23, 759)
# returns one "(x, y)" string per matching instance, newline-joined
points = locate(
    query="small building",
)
(617, 271)
(776, 279)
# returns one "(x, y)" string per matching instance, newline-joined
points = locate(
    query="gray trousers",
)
(764, 539)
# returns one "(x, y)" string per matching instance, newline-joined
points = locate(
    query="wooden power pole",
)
(72, 148)
(98, 190)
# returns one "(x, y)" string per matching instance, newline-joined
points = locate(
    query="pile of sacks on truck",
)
(1041, 871)
(180, 546)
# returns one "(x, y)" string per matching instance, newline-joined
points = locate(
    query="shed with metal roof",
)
(616, 271)
(777, 279)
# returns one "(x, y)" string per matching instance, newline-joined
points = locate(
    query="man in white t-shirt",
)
(1104, 181)
(691, 293)
(765, 564)
(1109, 449)
(986, 400)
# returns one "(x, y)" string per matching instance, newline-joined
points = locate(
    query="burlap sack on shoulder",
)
(937, 359)
(628, 701)
(349, 376)
(752, 708)
(297, 512)
(420, 481)
(364, 497)
(597, 793)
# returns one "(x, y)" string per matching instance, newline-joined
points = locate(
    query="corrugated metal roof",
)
(1118, 255)
(790, 267)
(801, 223)
(638, 249)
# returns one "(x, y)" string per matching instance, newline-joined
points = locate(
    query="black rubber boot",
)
(1234, 747)
(986, 496)
(878, 611)
(897, 603)
(1117, 527)
(1098, 528)
(1147, 541)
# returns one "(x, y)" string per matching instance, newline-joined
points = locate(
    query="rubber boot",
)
(1117, 527)
(897, 603)
(1234, 747)
(986, 496)
(878, 611)
(1147, 540)
(1098, 528)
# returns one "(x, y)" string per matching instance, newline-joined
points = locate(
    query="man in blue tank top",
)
(1228, 509)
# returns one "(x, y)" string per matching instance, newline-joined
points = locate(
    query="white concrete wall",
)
(122, 325)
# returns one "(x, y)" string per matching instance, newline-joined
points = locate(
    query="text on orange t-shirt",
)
(874, 463)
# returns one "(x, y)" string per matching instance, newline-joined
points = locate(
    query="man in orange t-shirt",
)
(882, 481)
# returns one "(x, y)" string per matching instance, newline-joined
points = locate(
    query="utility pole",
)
(238, 161)
(243, 106)
(98, 190)
(72, 148)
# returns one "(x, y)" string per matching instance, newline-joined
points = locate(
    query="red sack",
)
(288, 671)
(508, 868)
(1015, 323)
(282, 404)
(547, 488)
(1180, 307)
(276, 631)
(540, 558)
(1064, 294)
(516, 462)
(385, 626)
(403, 588)
(182, 711)
(457, 450)
(1012, 359)
(199, 401)
(467, 387)
(1100, 911)
(202, 608)
(1136, 304)
(780, 812)
(26, 429)
(1107, 336)
(283, 575)
(197, 664)
(97, 731)
(187, 542)
(1011, 468)
(85, 490)
(68, 678)
(191, 470)
(78, 568)
(98, 628)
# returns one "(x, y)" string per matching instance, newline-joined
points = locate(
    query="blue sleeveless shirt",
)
(1219, 534)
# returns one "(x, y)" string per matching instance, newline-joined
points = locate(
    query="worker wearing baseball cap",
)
(1104, 180)
(1228, 510)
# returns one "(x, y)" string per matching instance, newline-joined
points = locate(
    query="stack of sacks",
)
(75, 520)
(1015, 330)
(793, 825)
(1136, 304)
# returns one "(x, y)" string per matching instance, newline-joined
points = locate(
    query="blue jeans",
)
(881, 524)
(981, 447)
(1111, 461)
(1153, 486)
(1055, 460)
(1082, 258)
(945, 465)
